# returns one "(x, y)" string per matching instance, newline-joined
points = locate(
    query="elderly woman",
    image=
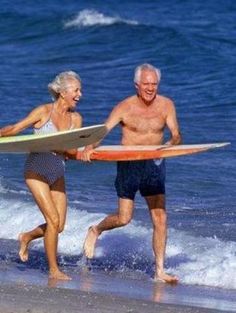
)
(44, 172)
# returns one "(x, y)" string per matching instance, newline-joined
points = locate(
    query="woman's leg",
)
(26, 238)
(60, 201)
(38, 232)
(45, 199)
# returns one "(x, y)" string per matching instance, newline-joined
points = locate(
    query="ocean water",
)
(194, 45)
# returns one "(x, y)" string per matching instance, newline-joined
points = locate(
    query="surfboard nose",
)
(58, 141)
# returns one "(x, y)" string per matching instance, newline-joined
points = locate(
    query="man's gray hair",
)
(61, 82)
(146, 66)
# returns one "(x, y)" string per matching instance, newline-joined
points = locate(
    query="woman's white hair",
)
(61, 82)
(146, 66)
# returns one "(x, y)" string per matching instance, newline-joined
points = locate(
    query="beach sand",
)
(35, 299)
(26, 288)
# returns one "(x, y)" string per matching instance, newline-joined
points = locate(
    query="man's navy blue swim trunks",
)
(146, 176)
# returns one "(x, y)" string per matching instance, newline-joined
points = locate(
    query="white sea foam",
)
(93, 17)
(208, 261)
(1, 186)
(196, 260)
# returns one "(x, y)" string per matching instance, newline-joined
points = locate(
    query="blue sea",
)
(194, 45)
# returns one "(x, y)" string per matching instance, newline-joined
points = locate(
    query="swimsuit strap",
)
(48, 126)
(50, 116)
(49, 120)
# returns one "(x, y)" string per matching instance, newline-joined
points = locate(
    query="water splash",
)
(204, 260)
(93, 17)
(196, 260)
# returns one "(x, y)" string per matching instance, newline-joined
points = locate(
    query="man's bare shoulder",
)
(127, 102)
(165, 100)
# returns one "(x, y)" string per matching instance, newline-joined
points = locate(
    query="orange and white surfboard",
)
(132, 153)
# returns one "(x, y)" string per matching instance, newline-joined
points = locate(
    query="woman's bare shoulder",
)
(43, 108)
(77, 119)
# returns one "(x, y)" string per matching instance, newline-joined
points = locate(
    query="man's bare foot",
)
(57, 274)
(23, 251)
(166, 278)
(90, 242)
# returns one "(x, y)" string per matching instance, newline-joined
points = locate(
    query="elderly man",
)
(143, 118)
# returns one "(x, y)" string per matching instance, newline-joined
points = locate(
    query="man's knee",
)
(125, 211)
(124, 219)
(159, 217)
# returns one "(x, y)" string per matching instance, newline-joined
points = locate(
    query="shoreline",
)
(30, 291)
(25, 288)
(35, 299)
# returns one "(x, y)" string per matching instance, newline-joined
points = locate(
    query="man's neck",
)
(146, 103)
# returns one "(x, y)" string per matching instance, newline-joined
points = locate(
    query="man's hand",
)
(86, 153)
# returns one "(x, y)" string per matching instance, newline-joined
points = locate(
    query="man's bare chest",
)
(144, 121)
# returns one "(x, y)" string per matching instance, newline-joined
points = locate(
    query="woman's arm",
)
(32, 118)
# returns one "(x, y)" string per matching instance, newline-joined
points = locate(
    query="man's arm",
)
(113, 119)
(173, 126)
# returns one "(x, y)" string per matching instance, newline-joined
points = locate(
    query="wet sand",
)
(26, 289)
(35, 299)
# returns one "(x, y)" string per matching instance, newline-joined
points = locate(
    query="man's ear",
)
(136, 85)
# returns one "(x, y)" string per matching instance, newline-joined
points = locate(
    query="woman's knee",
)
(54, 223)
(61, 228)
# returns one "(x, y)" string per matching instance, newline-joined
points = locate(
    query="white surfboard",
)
(61, 141)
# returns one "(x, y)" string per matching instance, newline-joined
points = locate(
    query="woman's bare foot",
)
(166, 278)
(90, 242)
(57, 274)
(23, 251)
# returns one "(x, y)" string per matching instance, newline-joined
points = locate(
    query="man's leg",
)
(121, 218)
(157, 209)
